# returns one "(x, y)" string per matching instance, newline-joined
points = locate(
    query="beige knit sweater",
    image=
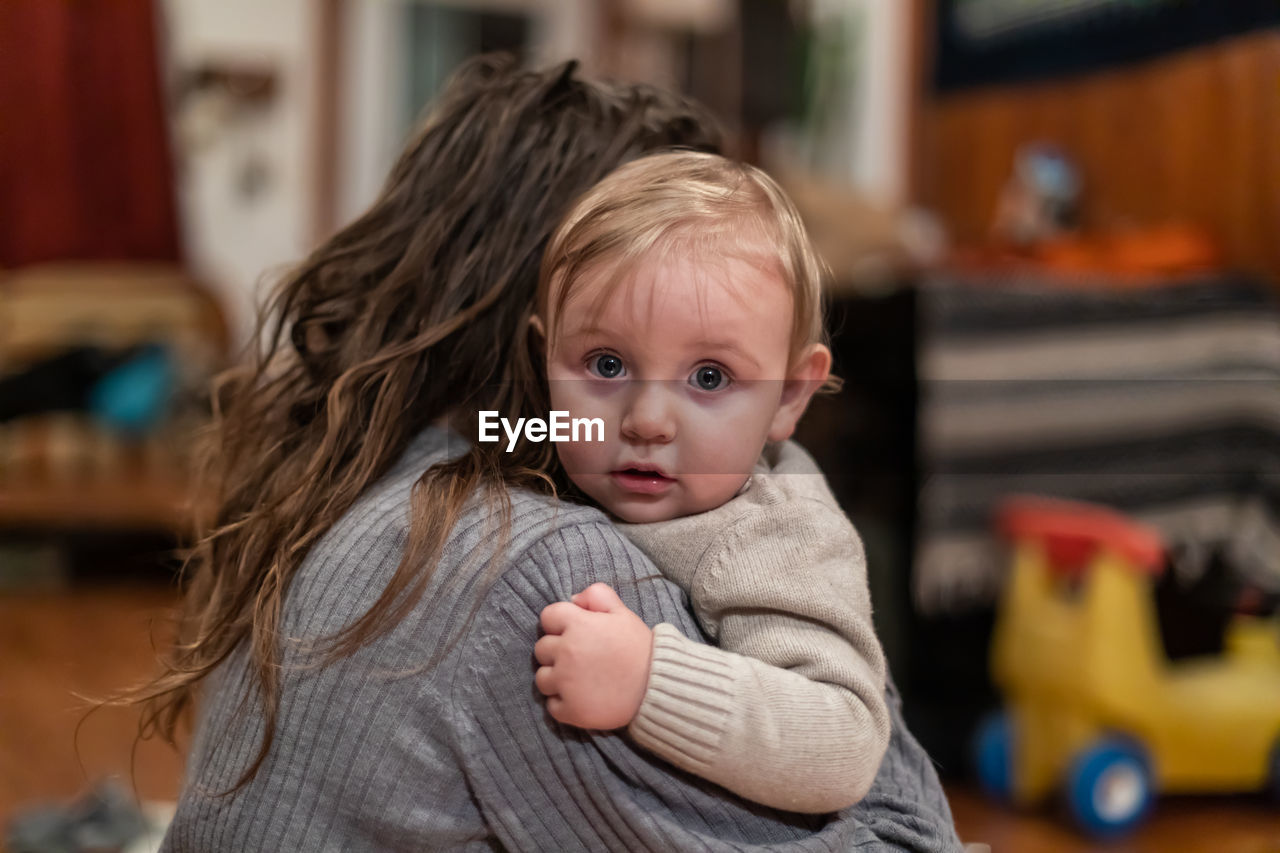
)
(789, 710)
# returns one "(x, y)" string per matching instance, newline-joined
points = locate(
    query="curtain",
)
(85, 167)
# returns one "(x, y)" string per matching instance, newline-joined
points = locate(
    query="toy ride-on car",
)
(1092, 705)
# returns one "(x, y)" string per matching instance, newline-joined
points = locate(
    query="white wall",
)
(374, 79)
(864, 139)
(370, 100)
(880, 161)
(234, 237)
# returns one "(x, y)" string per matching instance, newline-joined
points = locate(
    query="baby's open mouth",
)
(642, 480)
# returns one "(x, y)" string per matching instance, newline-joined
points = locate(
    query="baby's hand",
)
(594, 660)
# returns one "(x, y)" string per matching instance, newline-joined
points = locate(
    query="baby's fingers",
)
(599, 597)
(563, 711)
(556, 617)
(544, 651)
(546, 682)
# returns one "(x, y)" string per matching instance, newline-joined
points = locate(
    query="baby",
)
(680, 302)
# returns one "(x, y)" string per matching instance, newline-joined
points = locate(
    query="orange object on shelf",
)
(1127, 257)
(1160, 250)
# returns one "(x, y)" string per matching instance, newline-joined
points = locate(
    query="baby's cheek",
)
(572, 458)
(561, 394)
(724, 444)
(708, 491)
(587, 470)
(578, 397)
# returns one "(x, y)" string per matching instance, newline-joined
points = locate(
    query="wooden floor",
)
(55, 644)
(1178, 825)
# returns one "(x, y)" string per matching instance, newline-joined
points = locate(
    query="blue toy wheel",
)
(1110, 787)
(993, 755)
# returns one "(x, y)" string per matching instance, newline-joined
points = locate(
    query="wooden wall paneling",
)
(1194, 136)
(1269, 152)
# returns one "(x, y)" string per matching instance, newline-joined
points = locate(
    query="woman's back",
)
(431, 736)
(364, 756)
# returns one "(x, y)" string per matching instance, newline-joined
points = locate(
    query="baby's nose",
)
(651, 414)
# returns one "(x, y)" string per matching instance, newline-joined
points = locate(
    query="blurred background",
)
(1054, 232)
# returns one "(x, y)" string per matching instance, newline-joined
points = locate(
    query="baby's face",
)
(685, 365)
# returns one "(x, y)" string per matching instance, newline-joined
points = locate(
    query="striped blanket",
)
(1161, 402)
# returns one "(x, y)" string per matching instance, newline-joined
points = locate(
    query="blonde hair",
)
(685, 201)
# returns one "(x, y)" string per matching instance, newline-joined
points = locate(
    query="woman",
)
(362, 614)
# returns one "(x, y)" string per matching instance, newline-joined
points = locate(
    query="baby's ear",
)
(806, 377)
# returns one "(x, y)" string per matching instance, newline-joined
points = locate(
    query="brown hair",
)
(416, 311)
(692, 202)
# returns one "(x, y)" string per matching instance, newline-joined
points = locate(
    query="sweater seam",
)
(719, 542)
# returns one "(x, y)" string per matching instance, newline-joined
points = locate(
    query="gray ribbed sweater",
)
(381, 752)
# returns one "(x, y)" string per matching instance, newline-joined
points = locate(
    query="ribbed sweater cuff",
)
(687, 704)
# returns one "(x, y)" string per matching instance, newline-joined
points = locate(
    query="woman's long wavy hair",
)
(419, 310)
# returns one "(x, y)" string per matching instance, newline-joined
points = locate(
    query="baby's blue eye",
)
(708, 378)
(607, 366)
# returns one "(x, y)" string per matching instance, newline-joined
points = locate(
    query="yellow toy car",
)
(1091, 702)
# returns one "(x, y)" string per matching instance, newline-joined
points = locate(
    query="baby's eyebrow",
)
(729, 346)
(588, 330)
(589, 333)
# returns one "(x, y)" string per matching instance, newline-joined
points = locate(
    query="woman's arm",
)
(543, 786)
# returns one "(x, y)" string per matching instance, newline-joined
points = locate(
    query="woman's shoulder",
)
(364, 547)
(383, 511)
